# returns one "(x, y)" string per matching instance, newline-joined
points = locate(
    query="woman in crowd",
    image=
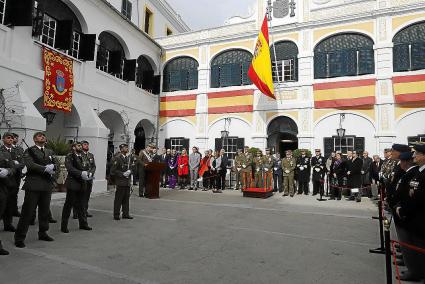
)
(204, 171)
(215, 162)
(183, 169)
(338, 172)
(172, 169)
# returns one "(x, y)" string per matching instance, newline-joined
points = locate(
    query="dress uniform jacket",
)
(318, 166)
(304, 169)
(36, 178)
(120, 165)
(288, 165)
(75, 165)
(92, 163)
(5, 163)
(246, 162)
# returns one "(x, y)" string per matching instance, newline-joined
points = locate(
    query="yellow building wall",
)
(244, 115)
(215, 49)
(368, 27)
(398, 22)
(193, 52)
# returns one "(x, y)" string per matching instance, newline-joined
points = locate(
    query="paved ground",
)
(200, 237)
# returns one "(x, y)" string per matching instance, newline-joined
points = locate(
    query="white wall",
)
(412, 124)
(237, 127)
(177, 128)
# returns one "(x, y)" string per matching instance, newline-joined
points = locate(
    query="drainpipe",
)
(161, 53)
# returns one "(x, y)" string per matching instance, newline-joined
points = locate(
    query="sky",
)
(201, 14)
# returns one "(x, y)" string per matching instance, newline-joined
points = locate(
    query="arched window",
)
(344, 55)
(230, 68)
(144, 74)
(409, 48)
(110, 55)
(285, 63)
(181, 74)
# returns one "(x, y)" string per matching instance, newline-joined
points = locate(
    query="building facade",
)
(116, 72)
(357, 65)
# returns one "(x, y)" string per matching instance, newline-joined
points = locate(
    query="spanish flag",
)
(260, 71)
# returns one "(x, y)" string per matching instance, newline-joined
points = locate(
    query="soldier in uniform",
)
(79, 175)
(288, 167)
(92, 170)
(19, 154)
(268, 169)
(145, 157)
(39, 182)
(6, 172)
(277, 173)
(246, 162)
(258, 164)
(396, 174)
(12, 184)
(386, 169)
(318, 166)
(304, 171)
(121, 169)
(238, 169)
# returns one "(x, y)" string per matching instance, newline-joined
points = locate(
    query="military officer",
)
(259, 170)
(277, 173)
(396, 173)
(387, 167)
(238, 168)
(39, 182)
(288, 167)
(246, 162)
(78, 167)
(19, 154)
(304, 171)
(145, 157)
(12, 184)
(92, 170)
(6, 171)
(268, 169)
(318, 166)
(122, 169)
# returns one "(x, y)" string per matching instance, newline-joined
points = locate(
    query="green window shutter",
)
(366, 61)
(328, 143)
(215, 74)
(349, 62)
(401, 61)
(245, 79)
(236, 70)
(175, 83)
(296, 69)
(335, 64)
(320, 65)
(418, 55)
(193, 79)
(184, 79)
(359, 144)
(218, 144)
(225, 75)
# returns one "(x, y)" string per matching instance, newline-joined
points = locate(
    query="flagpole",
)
(269, 19)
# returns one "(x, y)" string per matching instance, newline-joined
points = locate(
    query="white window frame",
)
(45, 37)
(177, 144)
(347, 147)
(75, 48)
(230, 149)
(2, 11)
(285, 69)
(104, 68)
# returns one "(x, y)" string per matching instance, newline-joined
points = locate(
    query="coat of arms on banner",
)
(58, 81)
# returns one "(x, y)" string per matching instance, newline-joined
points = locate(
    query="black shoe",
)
(17, 214)
(399, 256)
(32, 222)
(86, 227)
(117, 218)
(64, 230)
(3, 251)
(45, 237)
(19, 244)
(399, 262)
(127, 217)
(285, 195)
(332, 198)
(88, 215)
(407, 276)
(10, 228)
(292, 195)
(74, 216)
(190, 188)
(52, 221)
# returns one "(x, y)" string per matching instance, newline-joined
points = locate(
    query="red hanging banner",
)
(58, 81)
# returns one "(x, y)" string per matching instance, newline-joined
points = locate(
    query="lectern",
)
(152, 178)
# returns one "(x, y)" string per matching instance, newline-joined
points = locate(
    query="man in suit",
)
(39, 182)
(12, 184)
(6, 172)
(318, 166)
(18, 175)
(145, 157)
(194, 162)
(304, 171)
(122, 169)
(78, 166)
(222, 170)
(164, 159)
(354, 175)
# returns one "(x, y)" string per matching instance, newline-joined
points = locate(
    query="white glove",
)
(91, 176)
(362, 172)
(258, 170)
(266, 169)
(301, 168)
(84, 175)
(24, 170)
(16, 162)
(287, 171)
(275, 169)
(50, 167)
(238, 169)
(317, 169)
(50, 170)
(127, 173)
(3, 173)
(348, 173)
(244, 166)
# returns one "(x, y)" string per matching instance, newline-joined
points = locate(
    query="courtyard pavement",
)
(201, 237)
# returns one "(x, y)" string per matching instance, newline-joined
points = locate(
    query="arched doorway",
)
(114, 122)
(282, 134)
(140, 139)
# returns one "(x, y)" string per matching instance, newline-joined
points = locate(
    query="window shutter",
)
(166, 82)
(366, 61)
(349, 62)
(156, 88)
(167, 144)
(129, 73)
(336, 63)
(328, 146)
(101, 56)
(359, 144)
(193, 79)
(64, 32)
(87, 47)
(240, 143)
(320, 63)
(296, 69)
(225, 75)
(175, 81)
(184, 79)
(401, 61)
(218, 144)
(245, 79)
(236, 74)
(115, 58)
(185, 144)
(215, 73)
(19, 13)
(418, 55)
(147, 80)
(129, 9)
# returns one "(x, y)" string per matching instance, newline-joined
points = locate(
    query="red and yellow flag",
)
(260, 71)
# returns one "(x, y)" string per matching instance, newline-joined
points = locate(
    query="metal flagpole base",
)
(377, 251)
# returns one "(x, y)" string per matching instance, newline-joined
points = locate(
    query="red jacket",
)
(183, 161)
